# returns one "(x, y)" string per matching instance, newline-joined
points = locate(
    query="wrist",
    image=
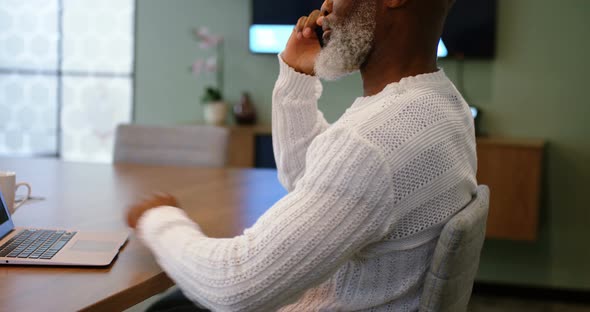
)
(294, 64)
(291, 83)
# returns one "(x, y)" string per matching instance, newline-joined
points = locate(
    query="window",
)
(66, 76)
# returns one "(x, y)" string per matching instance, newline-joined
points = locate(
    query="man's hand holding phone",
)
(304, 46)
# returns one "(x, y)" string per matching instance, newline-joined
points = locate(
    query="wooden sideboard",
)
(242, 141)
(513, 171)
(511, 168)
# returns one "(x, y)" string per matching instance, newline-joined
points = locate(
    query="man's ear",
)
(393, 4)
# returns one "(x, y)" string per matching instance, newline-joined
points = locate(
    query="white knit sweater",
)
(368, 196)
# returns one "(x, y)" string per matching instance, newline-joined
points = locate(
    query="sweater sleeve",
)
(338, 207)
(296, 121)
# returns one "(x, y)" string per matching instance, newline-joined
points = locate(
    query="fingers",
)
(131, 218)
(311, 25)
(311, 21)
(133, 213)
(136, 210)
(155, 196)
(161, 195)
(300, 24)
(299, 27)
(306, 25)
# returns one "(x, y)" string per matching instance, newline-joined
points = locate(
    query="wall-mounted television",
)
(470, 30)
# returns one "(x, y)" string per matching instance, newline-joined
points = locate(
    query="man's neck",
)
(386, 66)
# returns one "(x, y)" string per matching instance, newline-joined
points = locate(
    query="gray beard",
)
(349, 44)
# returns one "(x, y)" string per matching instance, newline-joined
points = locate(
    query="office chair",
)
(202, 146)
(449, 280)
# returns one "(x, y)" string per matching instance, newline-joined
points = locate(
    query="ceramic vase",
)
(244, 111)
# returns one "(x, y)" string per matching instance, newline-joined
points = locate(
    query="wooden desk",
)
(94, 197)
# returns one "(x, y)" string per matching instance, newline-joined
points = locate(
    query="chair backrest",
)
(455, 262)
(203, 146)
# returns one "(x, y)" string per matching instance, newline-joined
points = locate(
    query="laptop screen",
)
(3, 214)
(6, 224)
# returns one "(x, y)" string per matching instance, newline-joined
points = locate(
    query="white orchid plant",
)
(211, 64)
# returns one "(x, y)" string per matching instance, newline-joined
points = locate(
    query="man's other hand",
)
(135, 211)
(303, 46)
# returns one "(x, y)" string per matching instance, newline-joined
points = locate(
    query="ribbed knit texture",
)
(368, 196)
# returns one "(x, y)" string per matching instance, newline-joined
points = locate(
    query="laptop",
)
(27, 246)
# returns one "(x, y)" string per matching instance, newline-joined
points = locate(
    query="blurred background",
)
(72, 70)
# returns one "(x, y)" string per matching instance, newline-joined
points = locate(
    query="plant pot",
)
(215, 113)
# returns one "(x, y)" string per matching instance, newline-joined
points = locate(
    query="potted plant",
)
(214, 107)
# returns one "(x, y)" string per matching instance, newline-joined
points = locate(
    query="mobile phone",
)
(319, 31)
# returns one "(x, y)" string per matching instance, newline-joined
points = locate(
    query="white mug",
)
(8, 187)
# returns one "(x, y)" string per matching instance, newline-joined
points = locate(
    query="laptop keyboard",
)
(36, 244)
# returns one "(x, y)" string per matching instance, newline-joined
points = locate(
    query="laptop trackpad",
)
(93, 246)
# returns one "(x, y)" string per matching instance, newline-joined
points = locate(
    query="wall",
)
(535, 88)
